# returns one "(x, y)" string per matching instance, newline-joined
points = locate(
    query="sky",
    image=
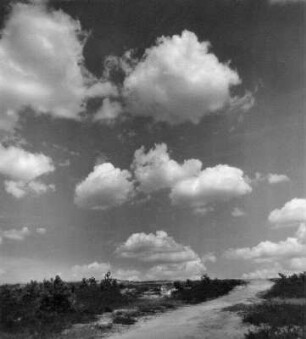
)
(154, 139)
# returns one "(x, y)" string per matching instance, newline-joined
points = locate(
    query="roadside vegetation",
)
(45, 309)
(282, 312)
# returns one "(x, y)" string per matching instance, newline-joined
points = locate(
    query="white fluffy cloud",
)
(23, 168)
(106, 186)
(42, 66)
(221, 182)
(179, 80)
(188, 183)
(164, 257)
(291, 214)
(289, 254)
(155, 170)
(21, 165)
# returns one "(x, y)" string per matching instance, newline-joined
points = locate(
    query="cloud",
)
(21, 165)
(221, 182)
(105, 187)
(98, 271)
(187, 182)
(95, 269)
(19, 189)
(109, 111)
(155, 170)
(23, 168)
(277, 178)
(41, 230)
(237, 212)
(287, 254)
(162, 255)
(14, 234)
(270, 178)
(264, 273)
(42, 65)
(291, 214)
(179, 80)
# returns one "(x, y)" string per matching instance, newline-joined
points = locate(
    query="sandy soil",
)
(205, 320)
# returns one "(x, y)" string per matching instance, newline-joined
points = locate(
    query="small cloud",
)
(41, 230)
(15, 234)
(277, 178)
(237, 212)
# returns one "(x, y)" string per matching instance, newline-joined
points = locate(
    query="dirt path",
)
(206, 320)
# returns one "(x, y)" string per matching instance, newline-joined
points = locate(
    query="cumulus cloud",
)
(164, 257)
(23, 168)
(291, 214)
(105, 187)
(277, 178)
(42, 66)
(288, 254)
(237, 212)
(179, 80)
(188, 183)
(21, 165)
(155, 169)
(221, 182)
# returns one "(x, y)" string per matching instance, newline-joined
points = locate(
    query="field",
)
(50, 308)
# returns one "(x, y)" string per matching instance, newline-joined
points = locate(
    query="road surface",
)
(207, 320)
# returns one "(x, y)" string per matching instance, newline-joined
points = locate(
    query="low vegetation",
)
(282, 314)
(45, 309)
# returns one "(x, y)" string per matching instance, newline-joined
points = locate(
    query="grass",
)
(274, 319)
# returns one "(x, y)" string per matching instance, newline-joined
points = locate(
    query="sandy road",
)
(205, 320)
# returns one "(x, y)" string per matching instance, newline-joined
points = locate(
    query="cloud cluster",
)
(288, 254)
(106, 186)
(163, 256)
(42, 66)
(291, 214)
(187, 183)
(22, 168)
(179, 80)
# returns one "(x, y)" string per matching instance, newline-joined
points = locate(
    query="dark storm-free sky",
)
(156, 139)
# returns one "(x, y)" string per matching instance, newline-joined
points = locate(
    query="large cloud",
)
(291, 214)
(23, 168)
(179, 80)
(188, 183)
(106, 186)
(42, 66)
(163, 256)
